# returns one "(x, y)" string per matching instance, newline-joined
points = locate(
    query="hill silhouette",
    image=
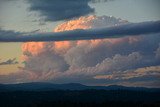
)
(42, 86)
(76, 95)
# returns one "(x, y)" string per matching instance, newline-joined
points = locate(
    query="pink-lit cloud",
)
(100, 61)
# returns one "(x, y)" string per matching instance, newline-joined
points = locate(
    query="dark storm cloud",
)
(55, 10)
(9, 34)
(133, 29)
(9, 62)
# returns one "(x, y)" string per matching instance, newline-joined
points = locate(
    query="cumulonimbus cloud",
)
(118, 31)
(130, 60)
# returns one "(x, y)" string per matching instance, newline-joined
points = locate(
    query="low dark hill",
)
(76, 95)
(80, 98)
(40, 86)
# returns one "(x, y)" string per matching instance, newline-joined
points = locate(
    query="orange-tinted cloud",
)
(83, 60)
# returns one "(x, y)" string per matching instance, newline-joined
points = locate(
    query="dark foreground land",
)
(76, 95)
(81, 98)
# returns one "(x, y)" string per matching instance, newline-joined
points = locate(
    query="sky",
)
(127, 55)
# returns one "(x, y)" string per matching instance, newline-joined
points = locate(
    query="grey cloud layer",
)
(133, 29)
(55, 10)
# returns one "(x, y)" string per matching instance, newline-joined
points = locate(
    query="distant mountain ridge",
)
(42, 86)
